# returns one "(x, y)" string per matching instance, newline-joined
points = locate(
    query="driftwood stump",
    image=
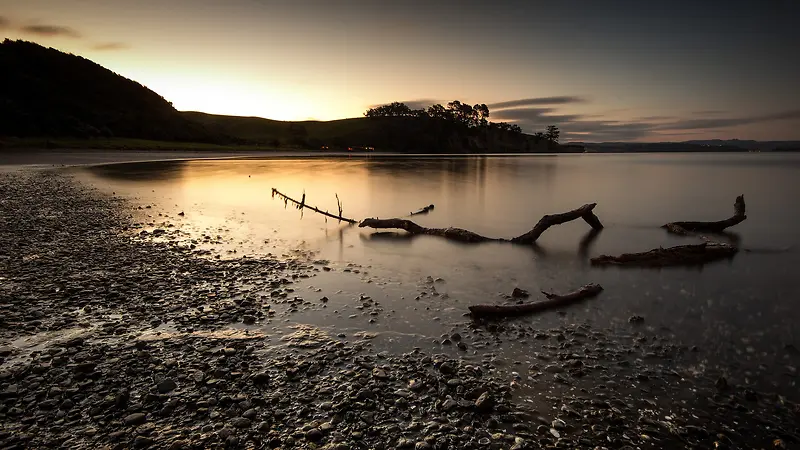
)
(688, 228)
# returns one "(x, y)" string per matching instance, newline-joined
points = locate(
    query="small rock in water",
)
(520, 293)
(635, 319)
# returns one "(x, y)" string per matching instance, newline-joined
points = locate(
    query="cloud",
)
(560, 100)
(51, 30)
(517, 114)
(708, 112)
(655, 118)
(4, 22)
(704, 124)
(108, 46)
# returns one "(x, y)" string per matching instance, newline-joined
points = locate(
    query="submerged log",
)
(681, 255)
(688, 228)
(553, 301)
(462, 235)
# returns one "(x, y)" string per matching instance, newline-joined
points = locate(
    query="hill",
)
(398, 134)
(48, 93)
(51, 97)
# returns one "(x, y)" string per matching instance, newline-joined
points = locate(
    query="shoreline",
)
(53, 158)
(112, 342)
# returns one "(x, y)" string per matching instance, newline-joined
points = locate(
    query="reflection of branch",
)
(587, 241)
(301, 204)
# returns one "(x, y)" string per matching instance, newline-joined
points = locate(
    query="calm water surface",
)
(740, 314)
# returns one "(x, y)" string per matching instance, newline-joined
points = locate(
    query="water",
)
(742, 312)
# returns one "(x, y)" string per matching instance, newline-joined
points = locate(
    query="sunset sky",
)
(600, 70)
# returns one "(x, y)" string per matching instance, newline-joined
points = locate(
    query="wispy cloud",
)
(655, 118)
(50, 30)
(599, 128)
(109, 46)
(708, 112)
(725, 122)
(4, 22)
(560, 100)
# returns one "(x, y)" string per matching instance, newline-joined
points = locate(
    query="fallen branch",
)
(681, 255)
(584, 212)
(462, 235)
(553, 301)
(302, 204)
(456, 234)
(688, 228)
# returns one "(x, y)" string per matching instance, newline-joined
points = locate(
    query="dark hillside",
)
(48, 93)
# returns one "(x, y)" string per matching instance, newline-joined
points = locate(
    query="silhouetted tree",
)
(552, 134)
(480, 114)
(394, 109)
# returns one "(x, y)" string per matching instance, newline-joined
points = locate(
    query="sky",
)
(601, 70)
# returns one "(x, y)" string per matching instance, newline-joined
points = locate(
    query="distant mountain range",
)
(712, 145)
(750, 145)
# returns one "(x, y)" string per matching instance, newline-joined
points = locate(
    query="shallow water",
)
(740, 313)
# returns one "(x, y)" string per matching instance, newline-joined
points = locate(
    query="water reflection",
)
(712, 307)
(141, 171)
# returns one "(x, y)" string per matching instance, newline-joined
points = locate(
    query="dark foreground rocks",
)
(110, 341)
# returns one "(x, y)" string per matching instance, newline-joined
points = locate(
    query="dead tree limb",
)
(553, 301)
(459, 234)
(584, 212)
(302, 204)
(687, 228)
(681, 255)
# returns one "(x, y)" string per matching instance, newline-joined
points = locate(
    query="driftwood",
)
(456, 234)
(553, 301)
(584, 212)
(302, 204)
(462, 235)
(424, 210)
(689, 228)
(681, 255)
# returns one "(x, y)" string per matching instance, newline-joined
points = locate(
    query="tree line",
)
(458, 113)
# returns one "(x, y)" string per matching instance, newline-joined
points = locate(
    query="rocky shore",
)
(112, 340)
